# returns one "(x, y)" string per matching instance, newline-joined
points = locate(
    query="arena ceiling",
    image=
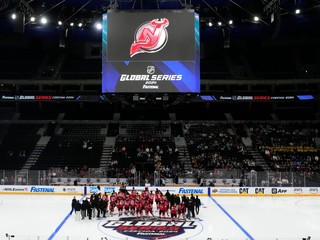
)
(235, 17)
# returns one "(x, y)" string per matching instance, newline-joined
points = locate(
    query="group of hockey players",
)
(136, 204)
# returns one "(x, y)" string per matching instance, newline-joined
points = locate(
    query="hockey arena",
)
(220, 217)
(160, 120)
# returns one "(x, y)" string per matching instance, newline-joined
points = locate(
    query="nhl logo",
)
(151, 70)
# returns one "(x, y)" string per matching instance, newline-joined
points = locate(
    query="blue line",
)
(63, 222)
(232, 219)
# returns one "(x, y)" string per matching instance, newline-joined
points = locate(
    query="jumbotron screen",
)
(150, 51)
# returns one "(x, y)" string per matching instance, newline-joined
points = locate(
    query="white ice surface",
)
(36, 217)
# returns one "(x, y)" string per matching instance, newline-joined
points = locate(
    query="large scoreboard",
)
(150, 51)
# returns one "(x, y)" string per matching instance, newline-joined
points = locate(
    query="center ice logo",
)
(156, 228)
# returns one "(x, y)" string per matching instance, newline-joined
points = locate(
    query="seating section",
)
(288, 147)
(147, 146)
(17, 144)
(78, 145)
(216, 146)
(150, 146)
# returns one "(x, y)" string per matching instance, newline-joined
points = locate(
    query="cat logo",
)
(259, 190)
(244, 190)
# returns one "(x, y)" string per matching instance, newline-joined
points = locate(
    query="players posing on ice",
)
(139, 204)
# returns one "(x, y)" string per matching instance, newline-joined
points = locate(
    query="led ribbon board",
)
(150, 51)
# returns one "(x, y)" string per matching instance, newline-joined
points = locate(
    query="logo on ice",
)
(41, 189)
(150, 229)
(189, 191)
(150, 37)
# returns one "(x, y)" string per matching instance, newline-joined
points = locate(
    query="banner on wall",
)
(265, 191)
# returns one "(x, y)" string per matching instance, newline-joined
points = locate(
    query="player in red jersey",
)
(111, 208)
(158, 195)
(144, 202)
(163, 198)
(182, 210)
(121, 195)
(120, 205)
(162, 209)
(167, 207)
(139, 208)
(113, 202)
(146, 193)
(127, 205)
(132, 205)
(151, 198)
(134, 192)
(148, 209)
(174, 211)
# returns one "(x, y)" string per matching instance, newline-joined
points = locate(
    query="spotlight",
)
(59, 23)
(71, 24)
(256, 19)
(298, 11)
(230, 22)
(13, 16)
(210, 24)
(80, 25)
(98, 26)
(44, 20)
(219, 23)
(32, 19)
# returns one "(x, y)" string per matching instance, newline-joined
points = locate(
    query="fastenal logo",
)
(155, 228)
(151, 69)
(190, 191)
(150, 37)
(42, 189)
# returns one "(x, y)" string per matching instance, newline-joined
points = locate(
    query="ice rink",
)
(46, 217)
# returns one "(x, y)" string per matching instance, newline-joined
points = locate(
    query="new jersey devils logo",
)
(150, 37)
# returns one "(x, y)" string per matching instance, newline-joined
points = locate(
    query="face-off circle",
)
(150, 228)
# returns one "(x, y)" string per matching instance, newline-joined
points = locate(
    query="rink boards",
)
(179, 190)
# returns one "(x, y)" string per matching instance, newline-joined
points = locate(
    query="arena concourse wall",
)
(180, 190)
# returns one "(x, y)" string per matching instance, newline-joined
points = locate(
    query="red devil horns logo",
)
(150, 37)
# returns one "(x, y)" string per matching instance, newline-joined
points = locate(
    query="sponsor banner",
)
(201, 191)
(314, 190)
(32, 189)
(109, 190)
(265, 191)
(224, 191)
(70, 189)
(14, 188)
